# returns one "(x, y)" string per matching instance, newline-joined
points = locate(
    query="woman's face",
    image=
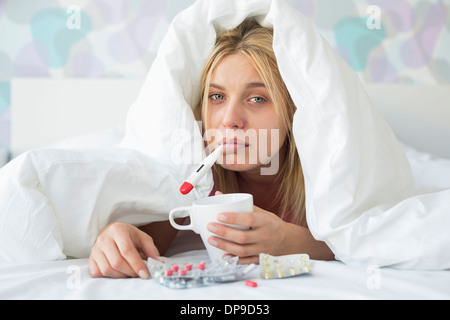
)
(241, 116)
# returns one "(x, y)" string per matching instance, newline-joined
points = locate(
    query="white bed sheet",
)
(70, 279)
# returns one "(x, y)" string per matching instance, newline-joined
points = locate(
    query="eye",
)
(258, 100)
(216, 96)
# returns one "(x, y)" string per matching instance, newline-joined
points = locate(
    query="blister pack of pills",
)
(199, 274)
(271, 267)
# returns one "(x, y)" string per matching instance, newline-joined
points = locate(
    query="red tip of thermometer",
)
(202, 169)
(186, 188)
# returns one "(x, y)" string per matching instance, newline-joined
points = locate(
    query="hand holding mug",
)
(205, 211)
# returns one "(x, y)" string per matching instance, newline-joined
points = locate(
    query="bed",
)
(70, 279)
(99, 120)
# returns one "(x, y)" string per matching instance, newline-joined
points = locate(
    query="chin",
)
(240, 167)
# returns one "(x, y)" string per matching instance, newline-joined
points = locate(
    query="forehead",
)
(236, 68)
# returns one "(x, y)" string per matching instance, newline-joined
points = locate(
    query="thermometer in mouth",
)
(202, 169)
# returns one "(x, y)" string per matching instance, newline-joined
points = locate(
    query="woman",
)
(242, 91)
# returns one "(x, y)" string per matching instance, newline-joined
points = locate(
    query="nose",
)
(234, 116)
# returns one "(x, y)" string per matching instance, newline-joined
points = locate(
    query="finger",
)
(218, 193)
(106, 269)
(146, 246)
(117, 260)
(233, 248)
(233, 234)
(249, 260)
(245, 219)
(131, 263)
(94, 269)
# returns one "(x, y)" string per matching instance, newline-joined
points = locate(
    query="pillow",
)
(431, 173)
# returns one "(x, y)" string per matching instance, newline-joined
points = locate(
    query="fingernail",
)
(143, 274)
(212, 242)
(222, 217)
(212, 228)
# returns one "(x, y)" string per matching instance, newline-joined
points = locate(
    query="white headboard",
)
(45, 111)
(418, 114)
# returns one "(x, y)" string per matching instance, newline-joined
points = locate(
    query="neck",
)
(264, 188)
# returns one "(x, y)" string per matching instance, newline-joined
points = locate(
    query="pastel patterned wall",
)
(389, 41)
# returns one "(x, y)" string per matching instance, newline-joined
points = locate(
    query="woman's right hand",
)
(117, 252)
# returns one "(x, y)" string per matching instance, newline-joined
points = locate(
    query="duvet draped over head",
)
(360, 195)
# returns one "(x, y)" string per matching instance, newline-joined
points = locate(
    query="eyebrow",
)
(248, 86)
(256, 85)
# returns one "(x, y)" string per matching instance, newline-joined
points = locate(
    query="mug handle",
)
(179, 226)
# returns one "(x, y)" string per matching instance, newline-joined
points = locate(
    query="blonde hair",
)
(255, 42)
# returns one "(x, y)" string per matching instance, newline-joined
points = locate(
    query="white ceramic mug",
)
(206, 210)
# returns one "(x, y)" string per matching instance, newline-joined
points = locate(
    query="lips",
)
(235, 141)
(233, 144)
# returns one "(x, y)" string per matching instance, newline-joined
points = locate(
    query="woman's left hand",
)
(266, 234)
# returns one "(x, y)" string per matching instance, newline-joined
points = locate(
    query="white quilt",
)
(361, 197)
(54, 202)
(360, 191)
